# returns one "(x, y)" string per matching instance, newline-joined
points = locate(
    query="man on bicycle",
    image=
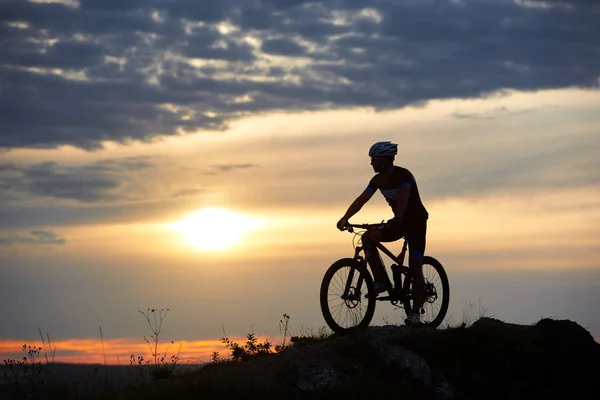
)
(399, 187)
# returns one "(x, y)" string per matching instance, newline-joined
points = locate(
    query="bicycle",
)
(358, 296)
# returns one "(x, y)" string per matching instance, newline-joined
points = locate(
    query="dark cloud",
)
(29, 216)
(206, 42)
(46, 180)
(133, 70)
(36, 238)
(284, 47)
(90, 183)
(125, 190)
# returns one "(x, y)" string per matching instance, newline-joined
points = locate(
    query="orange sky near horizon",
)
(117, 351)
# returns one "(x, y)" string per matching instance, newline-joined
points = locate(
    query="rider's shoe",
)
(413, 319)
(379, 287)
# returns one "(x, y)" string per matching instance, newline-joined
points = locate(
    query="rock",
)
(443, 389)
(384, 340)
(316, 374)
(409, 362)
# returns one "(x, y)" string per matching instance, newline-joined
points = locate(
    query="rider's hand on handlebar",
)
(342, 224)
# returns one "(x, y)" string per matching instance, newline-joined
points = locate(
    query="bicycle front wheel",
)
(436, 296)
(347, 296)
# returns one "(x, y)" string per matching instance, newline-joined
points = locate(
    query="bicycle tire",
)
(359, 321)
(430, 320)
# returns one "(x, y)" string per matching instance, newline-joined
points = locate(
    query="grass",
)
(157, 375)
(29, 377)
(471, 312)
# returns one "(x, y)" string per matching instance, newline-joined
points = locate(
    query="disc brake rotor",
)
(353, 299)
(430, 292)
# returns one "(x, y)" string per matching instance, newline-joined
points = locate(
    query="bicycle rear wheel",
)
(437, 293)
(347, 296)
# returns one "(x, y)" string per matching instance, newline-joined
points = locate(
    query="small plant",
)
(283, 331)
(308, 336)
(472, 313)
(251, 349)
(53, 351)
(136, 369)
(155, 318)
(254, 348)
(216, 358)
(165, 366)
(162, 366)
(27, 370)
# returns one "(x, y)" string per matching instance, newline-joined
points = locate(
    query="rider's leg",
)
(416, 246)
(390, 232)
(375, 262)
(415, 263)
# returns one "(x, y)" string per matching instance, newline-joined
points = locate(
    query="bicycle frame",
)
(398, 293)
(352, 280)
(398, 259)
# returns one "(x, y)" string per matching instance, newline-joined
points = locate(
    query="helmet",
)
(383, 149)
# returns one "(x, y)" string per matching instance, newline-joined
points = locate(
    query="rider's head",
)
(382, 155)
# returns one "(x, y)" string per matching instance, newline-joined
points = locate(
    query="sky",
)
(121, 120)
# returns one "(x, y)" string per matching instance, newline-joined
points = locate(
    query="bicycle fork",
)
(348, 294)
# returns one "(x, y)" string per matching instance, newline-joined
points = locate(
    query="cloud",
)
(189, 192)
(96, 182)
(218, 169)
(284, 47)
(49, 180)
(37, 238)
(490, 115)
(121, 71)
(231, 167)
(129, 189)
(591, 4)
(98, 213)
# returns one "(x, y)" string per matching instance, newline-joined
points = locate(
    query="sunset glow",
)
(111, 351)
(214, 229)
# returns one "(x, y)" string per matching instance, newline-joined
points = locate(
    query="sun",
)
(214, 229)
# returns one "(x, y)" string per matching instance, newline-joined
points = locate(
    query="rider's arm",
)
(358, 203)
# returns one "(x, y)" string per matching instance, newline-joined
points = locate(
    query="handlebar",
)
(350, 227)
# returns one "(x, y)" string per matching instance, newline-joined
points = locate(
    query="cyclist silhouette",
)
(399, 187)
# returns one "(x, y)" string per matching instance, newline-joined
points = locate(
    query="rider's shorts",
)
(415, 233)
